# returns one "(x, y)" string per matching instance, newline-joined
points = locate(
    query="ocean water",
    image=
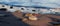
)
(44, 3)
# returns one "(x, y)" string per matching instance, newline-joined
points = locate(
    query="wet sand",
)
(43, 20)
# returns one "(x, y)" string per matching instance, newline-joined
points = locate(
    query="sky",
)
(44, 3)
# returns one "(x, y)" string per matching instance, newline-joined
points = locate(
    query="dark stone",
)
(11, 20)
(54, 19)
